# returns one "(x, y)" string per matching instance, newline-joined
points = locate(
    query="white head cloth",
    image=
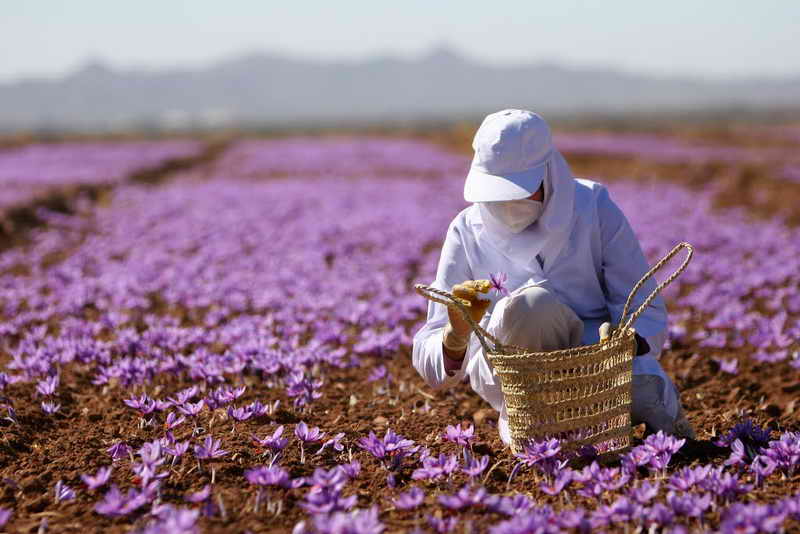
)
(550, 232)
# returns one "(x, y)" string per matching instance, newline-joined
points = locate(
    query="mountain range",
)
(262, 88)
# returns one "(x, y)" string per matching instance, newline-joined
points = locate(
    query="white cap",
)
(511, 151)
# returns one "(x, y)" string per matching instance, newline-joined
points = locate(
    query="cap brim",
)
(483, 187)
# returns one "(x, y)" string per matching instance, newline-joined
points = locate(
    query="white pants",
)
(534, 318)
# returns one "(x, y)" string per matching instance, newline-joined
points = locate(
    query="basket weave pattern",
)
(581, 395)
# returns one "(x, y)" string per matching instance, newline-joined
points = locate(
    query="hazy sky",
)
(694, 37)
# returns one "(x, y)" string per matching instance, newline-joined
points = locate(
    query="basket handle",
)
(657, 290)
(452, 301)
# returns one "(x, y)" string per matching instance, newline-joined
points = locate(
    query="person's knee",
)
(534, 299)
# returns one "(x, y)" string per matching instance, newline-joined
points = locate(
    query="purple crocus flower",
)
(763, 466)
(392, 446)
(303, 390)
(239, 414)
(352, 522)
(474, 466)
(47, 387)
(725, 485)
(97, 480)
(433, 468)
(378, 372)
(173, 519)
(184, 395)
(541, 454)
(146, 473)
(663, 443)
(268, 476)
(373, 444)
(738, 454)
(562, 480)
(173, 420)
(327, 500)
(730, 366)
(620, 511)
(150, 453)
(574, 519)
(50, 407)
(410, 499)
(747, 432)
(534, 520)
(210, 449)
(306, 435)
(689, 477)
(144, 404)
(118, 450)
(687, 504)
(458, 435)
(463, 498)
(117, 504)
(335, 442)
(190, 409)
(661, 447)
(442, 525)
(645, 492)
(785, 452)
(351, 469)
(510, 506)
(199, 496)
(274, 442)
(177, 449)
(753, 517)
(257, 408)
(63, 492)
(5, 515)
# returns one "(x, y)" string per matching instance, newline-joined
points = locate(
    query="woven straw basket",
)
(581, 395)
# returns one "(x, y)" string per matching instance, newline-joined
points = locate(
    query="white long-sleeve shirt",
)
(593, 274)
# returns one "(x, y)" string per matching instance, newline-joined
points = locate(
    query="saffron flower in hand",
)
(499, 280)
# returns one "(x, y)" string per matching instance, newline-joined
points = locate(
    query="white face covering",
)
(516, 215)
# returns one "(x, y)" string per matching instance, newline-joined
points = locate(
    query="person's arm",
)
(428, 352)
(623, 264)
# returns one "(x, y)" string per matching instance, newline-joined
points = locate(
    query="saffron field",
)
(228, 349)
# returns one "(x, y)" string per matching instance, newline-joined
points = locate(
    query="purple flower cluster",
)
(232, 302)
(392, 448)
(36, 169)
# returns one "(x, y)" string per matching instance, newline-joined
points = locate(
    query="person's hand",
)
(642, 346)
(468, 290)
